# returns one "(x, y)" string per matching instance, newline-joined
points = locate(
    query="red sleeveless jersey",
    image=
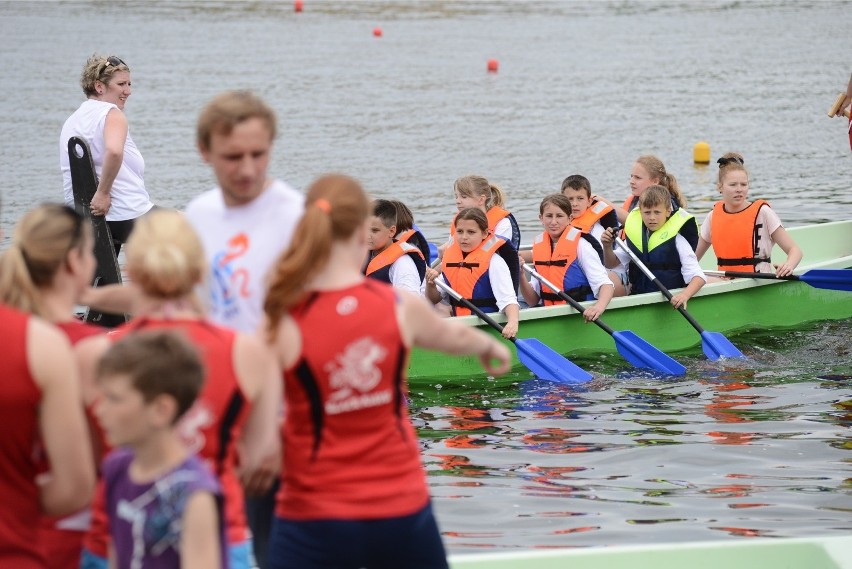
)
(19, 401)
(350, 449)
(212, 426)
(61, 538)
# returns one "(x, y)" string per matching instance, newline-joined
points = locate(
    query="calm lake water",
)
(734, 449)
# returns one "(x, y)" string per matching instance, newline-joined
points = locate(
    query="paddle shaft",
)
(666, 292)
(564, 296)
(474, 308)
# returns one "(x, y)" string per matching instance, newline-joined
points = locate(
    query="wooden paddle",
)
(544, 362)
(631, 347)
(835, 108)
(714, 344)
(833, 279)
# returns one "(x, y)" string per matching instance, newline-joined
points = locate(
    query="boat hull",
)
(729, 307)
(793, 553)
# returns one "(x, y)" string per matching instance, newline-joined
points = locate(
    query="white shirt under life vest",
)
(404, 275)
(591, 265)
(128, 197)
(241, 244)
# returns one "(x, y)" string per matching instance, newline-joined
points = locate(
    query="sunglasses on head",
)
(114, 61)
(731, 160)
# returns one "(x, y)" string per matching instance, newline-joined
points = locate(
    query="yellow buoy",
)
(701, 153)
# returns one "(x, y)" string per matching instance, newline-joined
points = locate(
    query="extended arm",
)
(260, 444)
(422, 327)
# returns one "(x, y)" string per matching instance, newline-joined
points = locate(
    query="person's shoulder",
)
(204, 479)
(283, 192)
(116, 462)
(206, 202)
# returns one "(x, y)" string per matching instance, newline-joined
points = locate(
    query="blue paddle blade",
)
(836, 279)
(716, 345)
(548, 364)
(642, 354)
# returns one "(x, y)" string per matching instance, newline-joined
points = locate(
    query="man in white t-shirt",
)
(245, 224)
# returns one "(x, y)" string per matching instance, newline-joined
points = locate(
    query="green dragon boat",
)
(788, 553)
(730, 307)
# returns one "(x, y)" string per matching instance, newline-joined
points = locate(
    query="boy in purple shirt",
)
(163, 503)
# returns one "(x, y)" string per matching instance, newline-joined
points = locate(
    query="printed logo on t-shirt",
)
(353, 375)
(191, 426)
(229, 282)
(347, 305)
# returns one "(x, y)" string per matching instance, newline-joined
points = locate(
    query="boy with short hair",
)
(164, 505)
(664, 241)
(398, 263)
(593, 215)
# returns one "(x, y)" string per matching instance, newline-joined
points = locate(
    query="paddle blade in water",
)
(716, 345)
(835, 279)
(642, 354)
(548, 364)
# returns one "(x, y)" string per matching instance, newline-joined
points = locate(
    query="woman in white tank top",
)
(100, 120)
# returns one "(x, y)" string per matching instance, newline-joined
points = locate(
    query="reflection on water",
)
(739, 448)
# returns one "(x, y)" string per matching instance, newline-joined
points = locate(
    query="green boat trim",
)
(729, 307)
(789, 553)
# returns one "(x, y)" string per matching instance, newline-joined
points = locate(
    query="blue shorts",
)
(411, 541)
(240, 556)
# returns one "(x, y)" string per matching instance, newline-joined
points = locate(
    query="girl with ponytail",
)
(44, 272)
(744, 232)
(343, 342)
(649, 171)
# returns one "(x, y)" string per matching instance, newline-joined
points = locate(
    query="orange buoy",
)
(377, 32)
(297, 5)
(493, 65)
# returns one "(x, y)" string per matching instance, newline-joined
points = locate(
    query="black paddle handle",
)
(474, 308)
(564, 296)
(769, 276)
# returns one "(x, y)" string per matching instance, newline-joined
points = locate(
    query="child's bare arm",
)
(794, 253)
(200, 545)
(694, 286)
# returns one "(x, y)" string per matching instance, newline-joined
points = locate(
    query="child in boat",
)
(591, 214)
(476, 191)
(568, 257)
(353, 492)
(398, 263)
(481, 267)
(407, 231)
(164, 504)
(742, 232)
(648, 171)
(664, 241)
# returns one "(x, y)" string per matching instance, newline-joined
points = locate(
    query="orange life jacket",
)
(630, 203)
(592, 215)
(736, 237)
(379, 266)
(417, 239)
(559, 265)
(467, 274)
